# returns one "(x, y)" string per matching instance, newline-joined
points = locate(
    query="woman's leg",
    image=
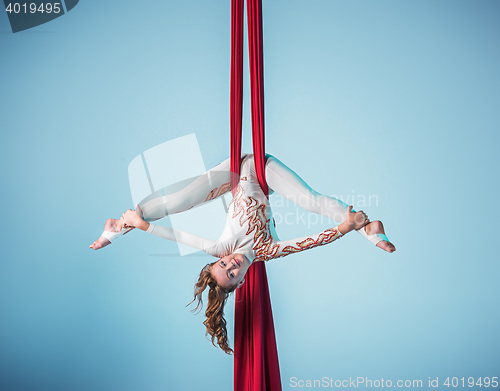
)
(289, 185)
(202, 189)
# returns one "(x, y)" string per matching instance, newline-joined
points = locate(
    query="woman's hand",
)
(132, 219)
(354, 220)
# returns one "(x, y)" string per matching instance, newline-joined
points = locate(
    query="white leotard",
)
(250, 228)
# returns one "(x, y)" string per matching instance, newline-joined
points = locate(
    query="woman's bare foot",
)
(112, 225)
(376, 227)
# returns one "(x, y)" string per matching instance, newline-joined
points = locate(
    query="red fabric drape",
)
(256, 366)
(256, 56)
(236, 98)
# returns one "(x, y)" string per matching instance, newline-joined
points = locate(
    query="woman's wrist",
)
(143, 225)
(344, 228)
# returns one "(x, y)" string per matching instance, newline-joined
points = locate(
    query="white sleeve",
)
(183, 237)
(283, 248)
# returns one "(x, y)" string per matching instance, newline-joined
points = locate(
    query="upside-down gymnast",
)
(249, 234)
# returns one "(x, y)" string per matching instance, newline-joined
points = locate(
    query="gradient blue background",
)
(397, 99)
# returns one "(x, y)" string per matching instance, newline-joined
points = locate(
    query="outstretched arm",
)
(131, 219)
(354, 220)
(292, 246)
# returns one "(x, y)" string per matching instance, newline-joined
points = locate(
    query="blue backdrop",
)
(397, 100)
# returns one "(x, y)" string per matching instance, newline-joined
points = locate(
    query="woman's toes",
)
(100, 243)
(387, 246)
(95, 245)
(391, 248)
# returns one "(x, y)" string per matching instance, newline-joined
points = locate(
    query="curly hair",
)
(217, 298)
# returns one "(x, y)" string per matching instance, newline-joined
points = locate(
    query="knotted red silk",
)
(256, 366)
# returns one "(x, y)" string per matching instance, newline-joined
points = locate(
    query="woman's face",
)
(230, 270)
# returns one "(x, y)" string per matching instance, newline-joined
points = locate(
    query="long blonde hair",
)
(217, 298)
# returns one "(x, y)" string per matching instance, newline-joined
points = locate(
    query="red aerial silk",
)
(236, 99)
(256, 366)
(256, 55)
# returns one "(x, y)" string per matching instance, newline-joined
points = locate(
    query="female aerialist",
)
(249, 234)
